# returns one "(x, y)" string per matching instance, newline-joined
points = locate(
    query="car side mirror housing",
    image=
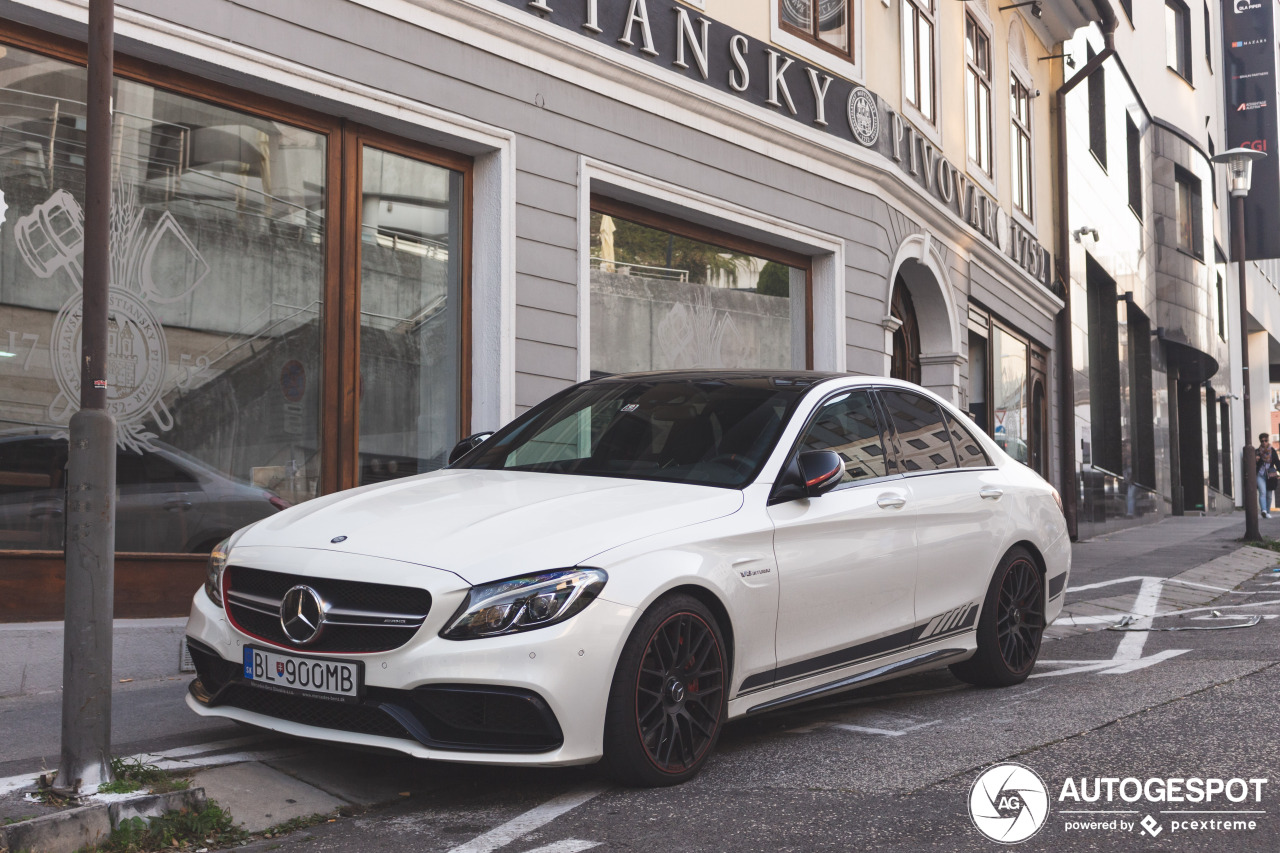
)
(809, 475)
(821, 471)
(468, 444)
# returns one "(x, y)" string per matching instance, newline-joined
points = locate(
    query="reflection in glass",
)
(833, 26)
(798, 13)
(410, 318)
(217, 268)
(1009, 360)
(661, 301)
(849, 426)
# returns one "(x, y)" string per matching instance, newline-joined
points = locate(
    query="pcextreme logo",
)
(1010, 803)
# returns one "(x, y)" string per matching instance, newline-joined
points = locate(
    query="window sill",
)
(1176, 73)
(927, 128)
(1101, 163)
(1192, 255)
(1137, 214)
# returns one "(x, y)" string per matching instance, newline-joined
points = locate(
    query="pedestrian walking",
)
(1268, 473)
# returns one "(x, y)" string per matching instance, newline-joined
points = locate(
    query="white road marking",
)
(882, 732)
(569, 845)
(1105, 667)
(1144, 607)
(529, 821)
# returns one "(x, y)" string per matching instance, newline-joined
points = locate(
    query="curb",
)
(70, 830)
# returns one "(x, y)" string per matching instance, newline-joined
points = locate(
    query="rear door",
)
(847, 559)
(960, 523)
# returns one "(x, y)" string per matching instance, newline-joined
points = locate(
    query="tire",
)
(1011, 627)
(668, 700)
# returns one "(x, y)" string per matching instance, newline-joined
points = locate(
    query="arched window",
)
(906, 338)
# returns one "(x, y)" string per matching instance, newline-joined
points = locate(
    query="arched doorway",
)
(905, 362)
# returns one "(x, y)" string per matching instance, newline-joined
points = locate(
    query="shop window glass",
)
(660, 301)
(849, 426)
(214, 345)
(924, 441)
(979, 361)
(1009, 388)
(410, 347)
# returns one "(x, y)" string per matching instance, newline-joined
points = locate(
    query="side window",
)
(967, 447)
(848, 425)
(924, 441)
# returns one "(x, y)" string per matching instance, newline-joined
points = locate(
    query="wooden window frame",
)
(926, 10)
(1023, 130)
(812, 37)
(340, 354)
(979, 77)
(355, 138)
(704, 234)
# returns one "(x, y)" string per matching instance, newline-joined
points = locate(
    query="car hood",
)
(489, 525)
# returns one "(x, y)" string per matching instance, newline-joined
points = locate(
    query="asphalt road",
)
(887, 768)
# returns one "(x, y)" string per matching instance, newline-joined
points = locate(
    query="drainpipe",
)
(1066, 382)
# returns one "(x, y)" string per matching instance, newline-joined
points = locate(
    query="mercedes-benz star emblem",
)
(302, 615)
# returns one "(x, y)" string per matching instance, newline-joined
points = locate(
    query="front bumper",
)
(534, 698)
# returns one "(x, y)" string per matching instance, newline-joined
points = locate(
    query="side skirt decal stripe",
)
(840, 658)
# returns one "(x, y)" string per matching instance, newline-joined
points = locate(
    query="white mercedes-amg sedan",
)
(632, 563)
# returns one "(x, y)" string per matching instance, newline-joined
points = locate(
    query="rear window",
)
(924, 441)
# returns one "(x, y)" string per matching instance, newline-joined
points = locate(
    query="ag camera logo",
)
(1009, 803)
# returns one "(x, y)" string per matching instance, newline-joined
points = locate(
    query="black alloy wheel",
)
(1020, 615)
(1011, 625)
(668, 700)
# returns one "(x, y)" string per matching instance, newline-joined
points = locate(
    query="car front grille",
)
(359, 618)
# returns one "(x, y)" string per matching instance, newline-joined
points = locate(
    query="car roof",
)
(800, 378)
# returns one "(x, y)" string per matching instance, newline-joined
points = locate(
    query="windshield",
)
(706, 432)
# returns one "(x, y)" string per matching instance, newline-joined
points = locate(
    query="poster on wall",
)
(1249, 48)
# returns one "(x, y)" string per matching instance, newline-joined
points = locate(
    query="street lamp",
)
(1239, 162)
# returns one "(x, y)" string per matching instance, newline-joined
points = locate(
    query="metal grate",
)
(364, 718)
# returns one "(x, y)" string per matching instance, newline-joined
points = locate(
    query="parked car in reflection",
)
(630, 564)
(167, 500)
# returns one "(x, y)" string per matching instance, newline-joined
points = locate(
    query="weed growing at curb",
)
(177, 830)
(133, 774)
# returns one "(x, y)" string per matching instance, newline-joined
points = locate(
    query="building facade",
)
(346, 233)
(1153, 312)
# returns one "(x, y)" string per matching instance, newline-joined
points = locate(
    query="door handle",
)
(178, 505)
(891, 501)
(991, 493)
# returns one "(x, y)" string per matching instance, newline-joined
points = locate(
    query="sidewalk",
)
(265, 780)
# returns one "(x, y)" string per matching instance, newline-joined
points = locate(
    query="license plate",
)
(338, 679)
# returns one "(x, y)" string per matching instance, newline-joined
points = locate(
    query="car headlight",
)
(213, 573)
(524, 603)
